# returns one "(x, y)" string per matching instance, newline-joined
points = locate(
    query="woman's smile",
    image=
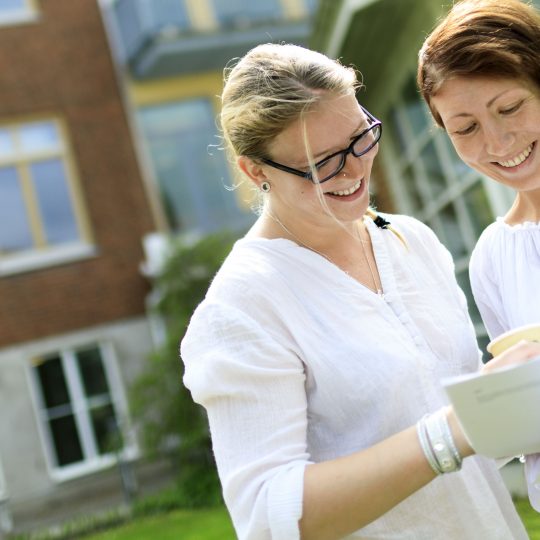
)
(348, 194)
(518, 160)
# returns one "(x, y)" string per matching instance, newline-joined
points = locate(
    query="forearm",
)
(345, 494)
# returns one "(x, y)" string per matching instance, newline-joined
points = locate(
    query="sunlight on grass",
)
(215, 524)
(212, 524)
(530, 517)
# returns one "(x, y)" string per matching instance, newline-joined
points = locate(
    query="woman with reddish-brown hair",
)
(479, 72)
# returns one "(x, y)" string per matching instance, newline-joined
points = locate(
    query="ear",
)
(252, 170)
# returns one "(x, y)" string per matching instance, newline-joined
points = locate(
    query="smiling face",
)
(494, 125)
(329, 126)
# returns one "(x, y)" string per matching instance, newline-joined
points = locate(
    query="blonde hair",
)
(270, 87)
(273, 86)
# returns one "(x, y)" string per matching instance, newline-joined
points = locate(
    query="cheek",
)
(466, 150)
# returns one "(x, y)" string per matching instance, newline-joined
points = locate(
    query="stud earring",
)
(265, 187)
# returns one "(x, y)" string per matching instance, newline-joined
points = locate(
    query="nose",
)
(498, 139)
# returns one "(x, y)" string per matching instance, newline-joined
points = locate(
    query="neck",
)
(343, 250)
(526, 207)
(325, 234)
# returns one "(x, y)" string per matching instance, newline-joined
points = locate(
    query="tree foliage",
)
(168, 419)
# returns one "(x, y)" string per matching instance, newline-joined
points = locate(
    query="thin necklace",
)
(375, 287)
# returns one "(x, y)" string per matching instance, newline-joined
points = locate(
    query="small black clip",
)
(381, 222)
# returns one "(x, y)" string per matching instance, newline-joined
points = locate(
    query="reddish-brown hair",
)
(493, 38)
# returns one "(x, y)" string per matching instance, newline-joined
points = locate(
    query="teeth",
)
(349, 191)
(518, 159)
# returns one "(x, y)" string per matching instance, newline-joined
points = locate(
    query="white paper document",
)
(499, 411)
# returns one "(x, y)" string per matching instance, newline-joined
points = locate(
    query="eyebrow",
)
(488, 104)
(331, 151)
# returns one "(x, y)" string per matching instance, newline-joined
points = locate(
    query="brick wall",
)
(61, 66)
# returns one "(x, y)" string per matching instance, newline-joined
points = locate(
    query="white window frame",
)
(43, 256)
(93, 461)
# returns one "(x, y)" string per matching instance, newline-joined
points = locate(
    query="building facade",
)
(73, 212)
(171, 55)
(108, 149)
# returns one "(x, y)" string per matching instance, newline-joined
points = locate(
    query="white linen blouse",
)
(505, 280)
(297, 363)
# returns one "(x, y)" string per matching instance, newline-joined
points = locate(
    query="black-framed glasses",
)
(331, 165)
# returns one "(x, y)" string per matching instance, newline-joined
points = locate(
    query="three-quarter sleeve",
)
(253, 389)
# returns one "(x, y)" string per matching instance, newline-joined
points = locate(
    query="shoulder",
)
(253, 286)
(415, 232)
(490, 233)
(252, 268)
(486, 245)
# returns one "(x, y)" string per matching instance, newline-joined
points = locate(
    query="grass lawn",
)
(215, 524)
(212, 524)
(530, 517)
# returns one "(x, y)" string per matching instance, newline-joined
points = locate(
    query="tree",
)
(169, 421)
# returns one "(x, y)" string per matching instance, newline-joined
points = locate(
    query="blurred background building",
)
(108, 145)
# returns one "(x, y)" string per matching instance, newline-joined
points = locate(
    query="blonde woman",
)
(479, 71)
(319, 348)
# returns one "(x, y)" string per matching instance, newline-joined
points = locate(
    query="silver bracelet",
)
(447, 432)
(426, 447)
(442, 443)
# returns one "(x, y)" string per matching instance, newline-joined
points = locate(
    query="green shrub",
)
(169, 420)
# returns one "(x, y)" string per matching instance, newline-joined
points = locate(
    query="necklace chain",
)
(375, 287)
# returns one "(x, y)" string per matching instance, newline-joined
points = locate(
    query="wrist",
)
(460, 439)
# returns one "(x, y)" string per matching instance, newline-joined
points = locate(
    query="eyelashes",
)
(505, 112)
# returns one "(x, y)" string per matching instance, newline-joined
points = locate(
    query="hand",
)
(517, 354)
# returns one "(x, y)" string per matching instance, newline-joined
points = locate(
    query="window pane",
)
(479, 207)
(54, 201)
(52, 382)
(106, 432)
(158, 15)
(312, 5)
(192, 174)
(417, 113)
(433, 169)
(397, 131)
(242, 13)
(413, 195)
(451, 232)
(14, 228)
(66, 441)
(92, 372)
(7, 148)
(12, 5)
(39, 136)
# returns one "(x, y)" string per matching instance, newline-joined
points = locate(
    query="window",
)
(76, 409)
(15, 11)
(238, 13)
(38, 203)
(192, 173)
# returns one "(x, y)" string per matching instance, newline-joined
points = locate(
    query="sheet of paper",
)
(499, 411)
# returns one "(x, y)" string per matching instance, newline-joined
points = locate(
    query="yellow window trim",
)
(22, 162)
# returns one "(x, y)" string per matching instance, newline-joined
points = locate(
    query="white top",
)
(505, 280)
(296, 362)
